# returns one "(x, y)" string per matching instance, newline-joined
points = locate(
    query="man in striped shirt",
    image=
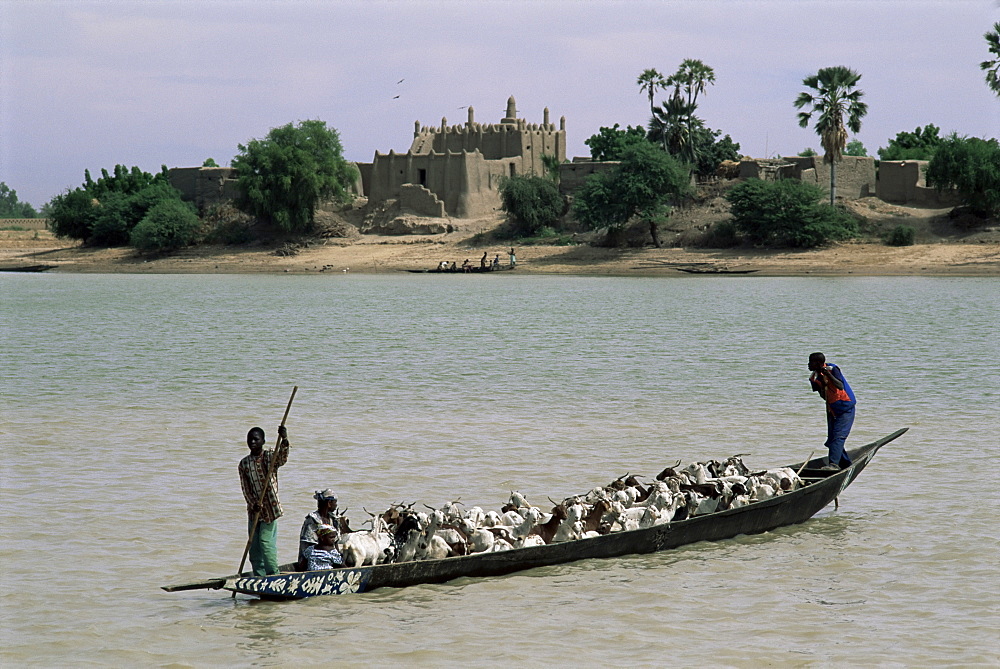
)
(260, 489)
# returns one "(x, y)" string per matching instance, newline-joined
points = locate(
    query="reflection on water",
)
(127, 400)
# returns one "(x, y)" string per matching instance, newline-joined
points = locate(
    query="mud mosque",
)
(455, 170)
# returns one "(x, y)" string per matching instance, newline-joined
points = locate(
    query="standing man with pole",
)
(829, 382)
(259, 479)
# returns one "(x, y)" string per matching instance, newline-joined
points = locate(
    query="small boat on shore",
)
(25, 268)
(819, 488)
(714, 270)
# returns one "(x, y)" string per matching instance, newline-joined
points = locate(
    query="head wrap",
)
(325, 495)
(325, 530)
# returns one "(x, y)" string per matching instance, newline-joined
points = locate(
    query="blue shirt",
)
(317, 558)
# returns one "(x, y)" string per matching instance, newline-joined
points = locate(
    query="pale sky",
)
(92, 84)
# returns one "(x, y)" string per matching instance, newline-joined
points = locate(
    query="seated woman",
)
(326, 507)
(324, 555)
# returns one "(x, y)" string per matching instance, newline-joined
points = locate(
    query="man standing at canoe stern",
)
(829, 382)
(260, 489)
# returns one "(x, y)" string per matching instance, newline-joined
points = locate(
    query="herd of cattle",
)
(401, 533)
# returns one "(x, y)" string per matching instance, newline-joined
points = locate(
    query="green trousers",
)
(264, 548)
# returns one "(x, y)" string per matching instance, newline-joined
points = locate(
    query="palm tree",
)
(693, 78)
(673, 124)
(992, 67)
(834, 97)
(649, 82)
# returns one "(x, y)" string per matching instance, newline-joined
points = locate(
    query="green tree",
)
(642, 186)
(103, 212)
(122, 180)
(610, 143)
(807, 152)
(649, 82)
(992, 67)
(531, 203)
(834, 97)
(786, 213)
(711, 150)
(11, 207)
(283, 177)
(855, 148)
(73, 214)
(210, 162)
(170, 224)
(972, 166)
(917, 145)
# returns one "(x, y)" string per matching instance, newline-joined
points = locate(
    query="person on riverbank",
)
(326, 506)
(832, 386)
(513, 257)
(259, 480)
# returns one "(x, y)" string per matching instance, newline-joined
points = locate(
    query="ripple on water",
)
(120, 475)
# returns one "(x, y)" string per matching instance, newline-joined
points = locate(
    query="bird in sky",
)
(400, 81)
(395, 97)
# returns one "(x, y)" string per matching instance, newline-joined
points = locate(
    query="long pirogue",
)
(820, 487)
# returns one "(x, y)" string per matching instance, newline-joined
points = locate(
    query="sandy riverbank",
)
(375, 254)
(940, 251)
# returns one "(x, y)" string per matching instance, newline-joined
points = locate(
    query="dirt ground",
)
(945, 246)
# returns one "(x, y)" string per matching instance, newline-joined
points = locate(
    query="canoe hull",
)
(786, 509)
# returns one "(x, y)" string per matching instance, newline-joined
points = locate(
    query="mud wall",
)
(855, 174)
(204, 186)
(903, 182)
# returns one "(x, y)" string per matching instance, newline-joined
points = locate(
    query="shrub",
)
(787, 213)
(531, 203)
(103, 212)
(722, 235)
(112, 223)
(170, 224)
(972, 166)
(901, 235)
(226, 224)
(917, 145)
(711, 151)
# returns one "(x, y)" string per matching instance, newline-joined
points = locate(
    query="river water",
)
(126, 400)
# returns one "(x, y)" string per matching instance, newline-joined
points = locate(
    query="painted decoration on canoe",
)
(305, 584)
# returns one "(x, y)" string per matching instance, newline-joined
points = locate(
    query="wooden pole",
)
(805, 463)
(267, 485)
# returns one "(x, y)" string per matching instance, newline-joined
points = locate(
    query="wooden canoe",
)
(714, 270)
(472, 270)
(822, 487)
